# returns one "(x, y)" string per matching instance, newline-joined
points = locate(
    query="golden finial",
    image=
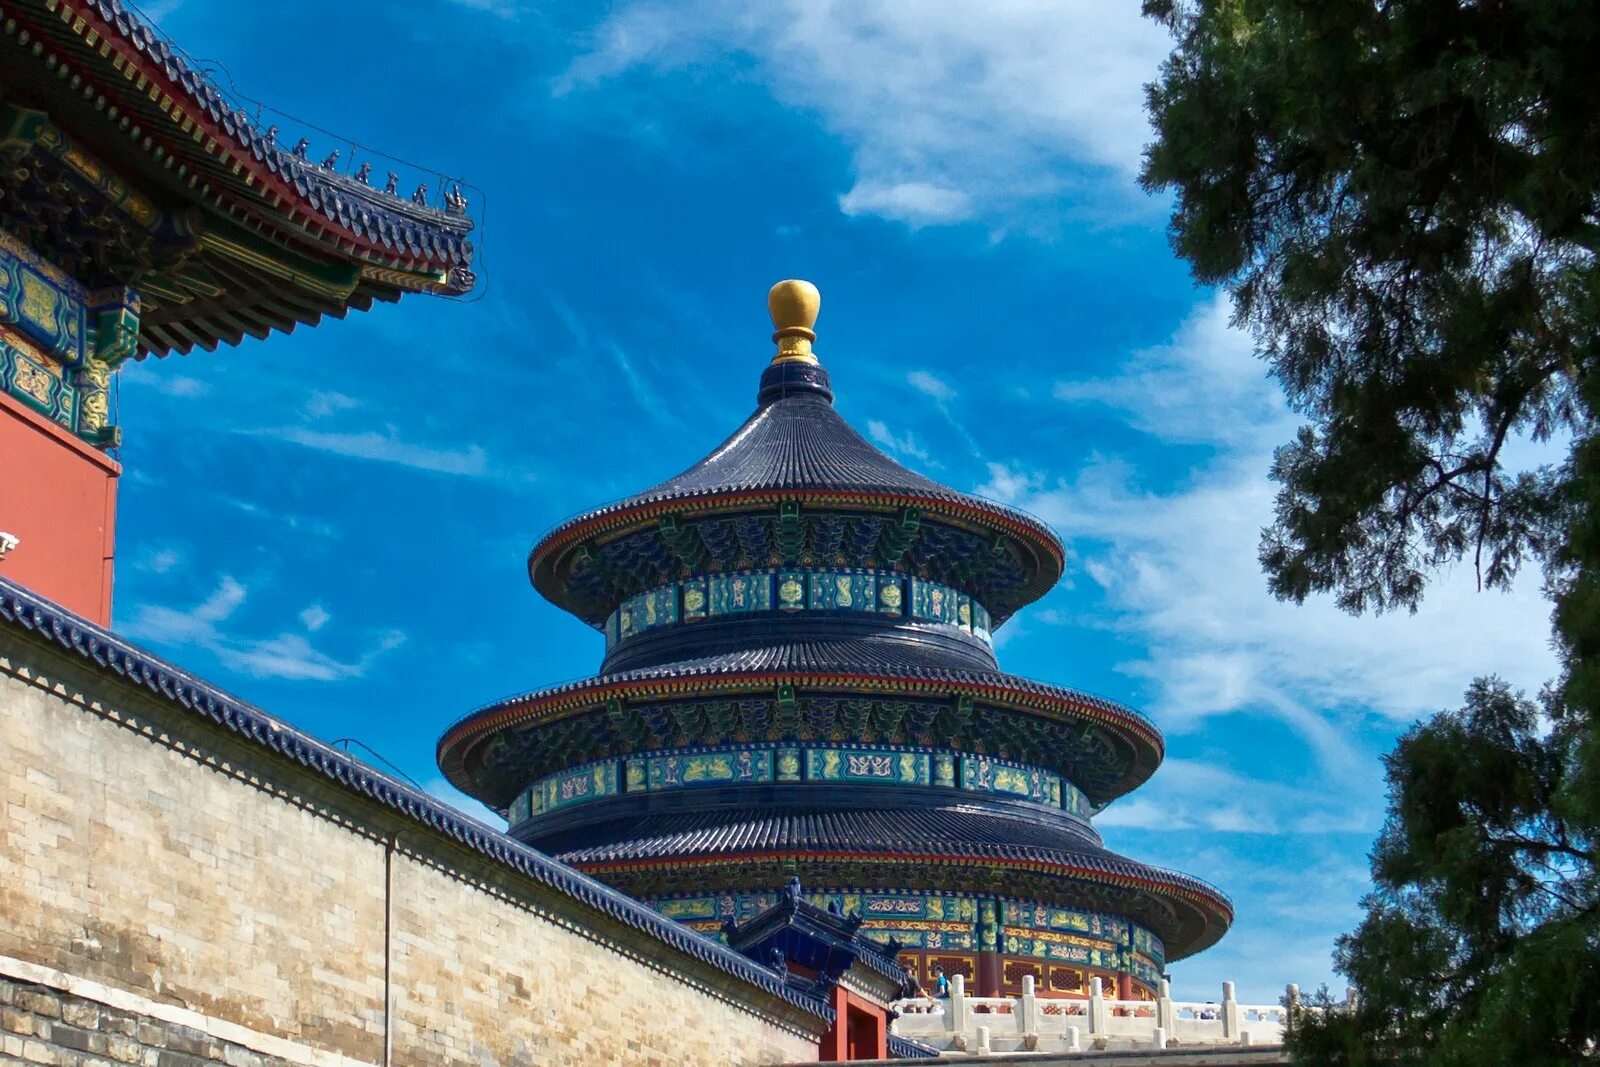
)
(794, 305)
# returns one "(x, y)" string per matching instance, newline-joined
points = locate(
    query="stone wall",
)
(185, 867)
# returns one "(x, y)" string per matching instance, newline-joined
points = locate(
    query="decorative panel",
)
(1100, 927)
(1073, 800)
(733, 594)
(894, 767)
(982, 775)
(836, 591)
(791, 591)
(590, 782)
(36, 379)
(1148, 944)
(891, 594)
(636, 776)
(981, 624)
(44, 305)
(866, 765)
(1068, 980)
(709, 768)
(932, 602)
(697, 598)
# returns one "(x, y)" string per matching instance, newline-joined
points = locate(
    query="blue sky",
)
(334, 524)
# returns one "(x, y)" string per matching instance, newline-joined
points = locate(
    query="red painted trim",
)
(582, 696)
(1087, 874)
(564, 539)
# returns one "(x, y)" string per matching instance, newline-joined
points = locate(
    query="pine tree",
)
(1403, 197)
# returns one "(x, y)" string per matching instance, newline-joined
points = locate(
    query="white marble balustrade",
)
(1028, 1022)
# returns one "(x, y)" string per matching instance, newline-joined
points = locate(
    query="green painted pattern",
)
(694, 599)
(755, 764)
(959, 923)
(866, 765)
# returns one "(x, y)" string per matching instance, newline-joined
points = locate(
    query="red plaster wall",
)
(860, 1029)
(58, 496)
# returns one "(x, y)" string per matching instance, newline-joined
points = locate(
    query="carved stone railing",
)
(1028, 1022)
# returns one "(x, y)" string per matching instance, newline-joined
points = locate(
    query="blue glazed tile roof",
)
(894, 663)
(27, 613)
(796, 445)
(957, 831)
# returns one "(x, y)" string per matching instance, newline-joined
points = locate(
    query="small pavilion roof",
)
(827, 942)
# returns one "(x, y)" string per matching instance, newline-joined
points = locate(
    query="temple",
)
(800, 682)
(141, 214)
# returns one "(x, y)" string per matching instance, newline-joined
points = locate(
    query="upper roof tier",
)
(222, 229)
(796, 485)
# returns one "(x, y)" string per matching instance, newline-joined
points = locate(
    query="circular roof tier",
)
(793, 456)
(1103, 748)
(954, 847)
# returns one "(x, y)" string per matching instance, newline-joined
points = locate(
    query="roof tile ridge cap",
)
(198, 86)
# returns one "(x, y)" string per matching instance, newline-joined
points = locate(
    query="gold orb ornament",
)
(794, 305)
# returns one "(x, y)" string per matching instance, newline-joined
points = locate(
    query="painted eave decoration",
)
(232, 234)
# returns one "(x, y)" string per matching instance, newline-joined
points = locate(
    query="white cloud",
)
(950, 111)
(930, 385)
(285, 655)
(161, 377)
(1189, 794)
(1206, 386)
(470, 461)
(914, 203)
(1179, 568)
(323, 402)
(315, 617)
(158, 561)
(901, 446)
(503, 9)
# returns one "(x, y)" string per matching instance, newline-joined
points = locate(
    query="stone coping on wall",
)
(25, 974)
(25, 612)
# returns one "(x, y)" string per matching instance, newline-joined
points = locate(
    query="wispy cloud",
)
(286, 655)
(470, 461)
(943, 396)
(157, 560)
(164, 380)
(930, 385)
(1190, 794)
(950, 111)
(1205, 386)
(322, 403)
(901, 446)
(1178, 569)
(914, 203)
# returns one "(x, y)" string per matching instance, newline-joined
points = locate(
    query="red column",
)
(988, 976)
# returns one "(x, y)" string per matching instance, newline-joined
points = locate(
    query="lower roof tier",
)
(957, 847)
(802, 691)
